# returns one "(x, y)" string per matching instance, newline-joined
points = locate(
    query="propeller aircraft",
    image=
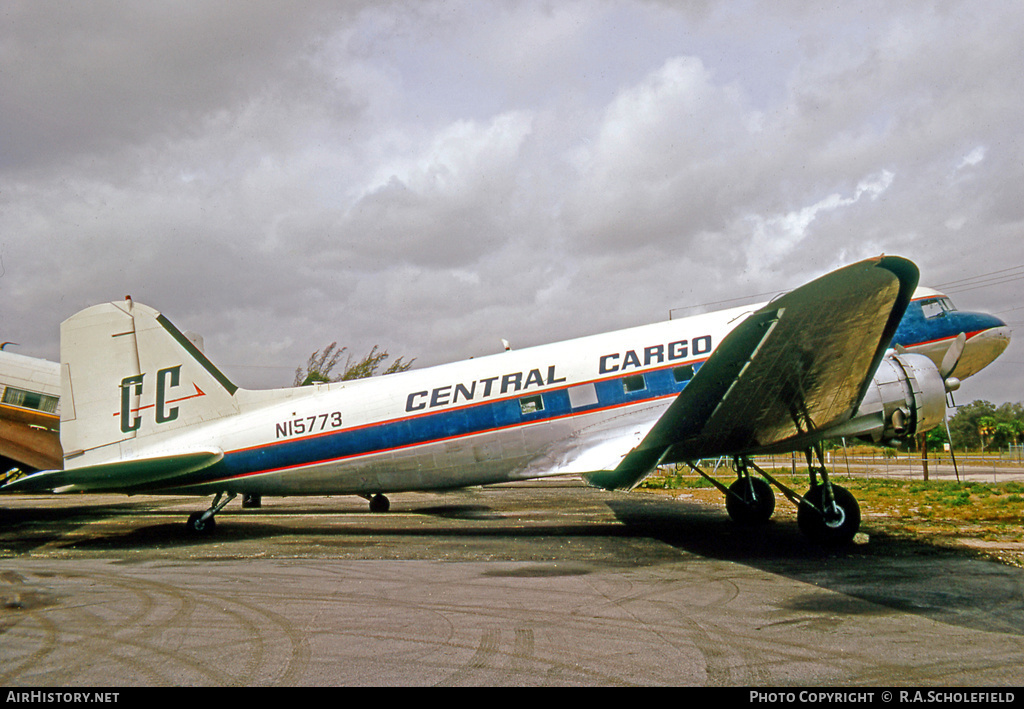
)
(143, 410)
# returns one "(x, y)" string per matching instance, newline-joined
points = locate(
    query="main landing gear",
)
(828, 514)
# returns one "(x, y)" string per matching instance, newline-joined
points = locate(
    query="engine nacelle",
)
(907, 396)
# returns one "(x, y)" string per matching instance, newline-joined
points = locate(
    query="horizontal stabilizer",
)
(121, 476)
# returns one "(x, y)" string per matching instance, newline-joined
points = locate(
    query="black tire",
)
(830, 529)
(379, 503)
(251, 501)
(752, 501)
(197, 525)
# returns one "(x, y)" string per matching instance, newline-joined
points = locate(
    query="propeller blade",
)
(952, 356)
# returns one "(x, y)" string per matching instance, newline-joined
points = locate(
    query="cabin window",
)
(531, 404)
(582, 395)
(30, 400)
(633, 383)
(683, 374)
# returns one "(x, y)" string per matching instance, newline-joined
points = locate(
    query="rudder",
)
(128, 374)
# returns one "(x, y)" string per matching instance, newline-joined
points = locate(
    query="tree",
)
(986, 429)
(964, 425)
(1005, 434)
(980, 424)
(936, 439)
(321, 363)
(1018, 430)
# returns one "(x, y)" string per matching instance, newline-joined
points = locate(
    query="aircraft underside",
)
(541, 449)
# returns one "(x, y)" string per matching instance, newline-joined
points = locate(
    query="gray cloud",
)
(434, 176)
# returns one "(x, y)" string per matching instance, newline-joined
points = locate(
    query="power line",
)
(988, 284)
(985, 280)
(962, 285)
(983, 275)
(723, 302)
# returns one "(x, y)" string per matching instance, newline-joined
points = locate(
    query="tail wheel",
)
(198, 525)
(831, 525)
(750, 501)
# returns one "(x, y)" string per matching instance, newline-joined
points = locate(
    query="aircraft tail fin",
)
(128, 374)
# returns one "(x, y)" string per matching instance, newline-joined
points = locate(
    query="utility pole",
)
(922, 438)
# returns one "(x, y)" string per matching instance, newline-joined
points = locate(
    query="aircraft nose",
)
(988, 337)
(1000, 332)
(990, 321)
(994, 329)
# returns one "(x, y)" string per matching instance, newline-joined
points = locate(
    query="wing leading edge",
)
(785, 375)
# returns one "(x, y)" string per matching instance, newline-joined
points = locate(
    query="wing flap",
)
(120, 476)
(597, 447)
(786, 374)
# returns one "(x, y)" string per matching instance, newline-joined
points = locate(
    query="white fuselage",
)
(514, 415)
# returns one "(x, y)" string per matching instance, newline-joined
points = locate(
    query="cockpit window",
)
(937, 306)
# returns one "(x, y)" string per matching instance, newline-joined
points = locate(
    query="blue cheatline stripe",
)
(447, 424)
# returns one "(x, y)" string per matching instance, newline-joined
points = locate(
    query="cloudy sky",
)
(435, 176)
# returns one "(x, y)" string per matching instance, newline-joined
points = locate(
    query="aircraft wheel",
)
(379, 503)
(197, 525)
(752, 503)
(251, 501)
(834, 528)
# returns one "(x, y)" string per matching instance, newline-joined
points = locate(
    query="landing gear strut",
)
(203, 522)
(749, 500)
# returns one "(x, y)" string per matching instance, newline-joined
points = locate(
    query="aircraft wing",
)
(785, 375)
(30, 437)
